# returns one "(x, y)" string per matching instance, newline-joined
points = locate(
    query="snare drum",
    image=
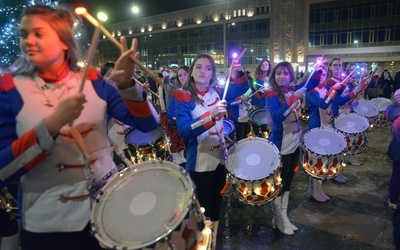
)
(149, 206)
(382, 103)
(254, 166)
(355, 129)
(322, 154)
(144, 146)
(260, 121)
(366, 108)
(229, 128)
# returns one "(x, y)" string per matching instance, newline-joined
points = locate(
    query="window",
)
(322, 17)
(322, 39)
(371, 36)
(387, 35)
(373, 11)
(349, 37)
(336, 16)
(350, 14)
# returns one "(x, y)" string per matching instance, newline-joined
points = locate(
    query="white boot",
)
(313, 190)
(176, 158)
(321, 191)
(10, 242)
(278, 221)
(353, 160)
(285, 202)
(214, 234)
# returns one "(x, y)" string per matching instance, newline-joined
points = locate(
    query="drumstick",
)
(142, 84)
(334, 91)
(229, 74)
(92, 48)
(82, 11)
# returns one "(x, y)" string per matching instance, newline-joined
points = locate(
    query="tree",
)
(10, 11)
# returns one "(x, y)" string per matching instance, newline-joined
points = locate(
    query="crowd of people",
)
(59, 142)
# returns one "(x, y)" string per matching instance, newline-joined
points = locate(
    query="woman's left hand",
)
(124, 67)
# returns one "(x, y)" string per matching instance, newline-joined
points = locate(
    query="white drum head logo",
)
(142, 203)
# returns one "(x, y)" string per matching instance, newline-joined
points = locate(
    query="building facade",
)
(297, 31)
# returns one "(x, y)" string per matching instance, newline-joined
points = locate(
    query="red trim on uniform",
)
(26, 141)
(182, 96)
(7, 83)
(209, 124)
(211, 104)
(270, 93)
(352, 95)
(292, 99)
(138, 109)
(240, 79)
(93, 74)
(201, 92)
(35, 161)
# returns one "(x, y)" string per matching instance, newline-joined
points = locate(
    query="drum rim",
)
(131, 130)
(278, 162)
(338, 132)
(376, 108)
(98, 207)
(352, 114)
(255, 111)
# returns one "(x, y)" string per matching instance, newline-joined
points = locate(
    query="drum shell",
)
(323, 152)
(381, 120)
(260, 122)
(254, 180)
(355, 129)
(145, 146)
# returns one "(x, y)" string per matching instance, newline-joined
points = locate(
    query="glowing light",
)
(80, 10)
(135, 9)
(102, 16)
(234, 55)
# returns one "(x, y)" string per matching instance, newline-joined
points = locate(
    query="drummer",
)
(284, 105)
(200, 113)
(319, 107)
(237, 96)
(39, 101)
(344, 96)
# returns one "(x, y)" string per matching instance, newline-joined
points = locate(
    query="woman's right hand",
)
(66, 112)
(219, 110)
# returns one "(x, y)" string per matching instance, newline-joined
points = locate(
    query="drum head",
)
(325, 141)
(365, 108)
(142, 206)
(138, 138)
(382, 103)
(351, 123)
(260, 116)
(229, 126)
(253, 159)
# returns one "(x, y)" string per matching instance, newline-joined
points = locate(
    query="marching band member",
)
(200, 113)
(342, 103)
(286, 132)
(320, 116)
(61, 166)
(177, 144)
(393, 114)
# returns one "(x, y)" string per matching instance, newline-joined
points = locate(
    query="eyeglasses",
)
(336, 65)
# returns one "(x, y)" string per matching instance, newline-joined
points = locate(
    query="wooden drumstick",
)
(141, 84)
(82, 11)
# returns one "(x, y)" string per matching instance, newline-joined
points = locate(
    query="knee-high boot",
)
(321, 191)
(313, 190)
(285, 203)
(214, 234)
(278, 220)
